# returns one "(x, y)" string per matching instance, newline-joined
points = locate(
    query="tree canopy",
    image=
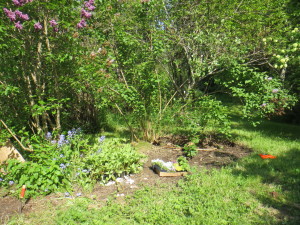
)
(70, 63)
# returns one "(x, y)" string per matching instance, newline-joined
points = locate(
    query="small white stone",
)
(110, 183)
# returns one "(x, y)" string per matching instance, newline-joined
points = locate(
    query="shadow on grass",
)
(284, 171)
(272, 129)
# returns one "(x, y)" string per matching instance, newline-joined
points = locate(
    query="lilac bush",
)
(85, 13)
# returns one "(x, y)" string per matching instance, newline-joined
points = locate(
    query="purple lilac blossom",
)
(92, 8)
(55, 29)
(24, 17)
(18, 25)
(87, 4)
(18, 13)
(81, 24)
(86, 14)
(21, 15)
(275, 90)
(10, 14)
(53, 23)
(38, 26)
(21, 2)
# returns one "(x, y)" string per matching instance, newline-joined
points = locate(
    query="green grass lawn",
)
(250, 191)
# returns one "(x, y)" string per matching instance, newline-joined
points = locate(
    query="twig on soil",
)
(206, 149)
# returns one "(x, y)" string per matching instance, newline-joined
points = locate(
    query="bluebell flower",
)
(61, 155)
(62, 166)
(99, 151)
(67, 194)
(54, 159)
(48, 136)
(78, 194)
(53, 142)
(11, 182)
(61, 140)
(101, 139)
(72, 133)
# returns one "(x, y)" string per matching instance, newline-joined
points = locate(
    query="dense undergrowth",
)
(61, 162)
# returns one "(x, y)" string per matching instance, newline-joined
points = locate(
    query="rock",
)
(9, 152)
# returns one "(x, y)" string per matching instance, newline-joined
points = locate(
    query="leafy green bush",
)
(113, 158)
(190, 150)
(57, 163)
(183, 163)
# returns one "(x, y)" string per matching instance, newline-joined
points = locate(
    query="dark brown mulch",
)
(222, 155)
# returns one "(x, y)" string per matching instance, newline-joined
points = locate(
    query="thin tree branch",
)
(12, 134)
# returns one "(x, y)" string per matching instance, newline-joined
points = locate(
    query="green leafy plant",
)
(190, 150)
(108, 160)
(183, 163)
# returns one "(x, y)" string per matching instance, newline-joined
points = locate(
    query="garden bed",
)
(224, 155)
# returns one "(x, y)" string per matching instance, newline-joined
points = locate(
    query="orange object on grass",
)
(22, 194)
(267, 156)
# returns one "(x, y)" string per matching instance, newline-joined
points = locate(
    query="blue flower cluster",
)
(63, 140)
(10, 182)
(101, 139)
(72, 133)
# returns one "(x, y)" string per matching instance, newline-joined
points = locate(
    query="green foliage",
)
(240, 193)
(261, 94)
(4, 136)
(107, 161)
(58, 164)
(190, 150)
(183, 163)
(40, 179)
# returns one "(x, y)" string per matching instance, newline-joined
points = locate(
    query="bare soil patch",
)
(224, 154)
